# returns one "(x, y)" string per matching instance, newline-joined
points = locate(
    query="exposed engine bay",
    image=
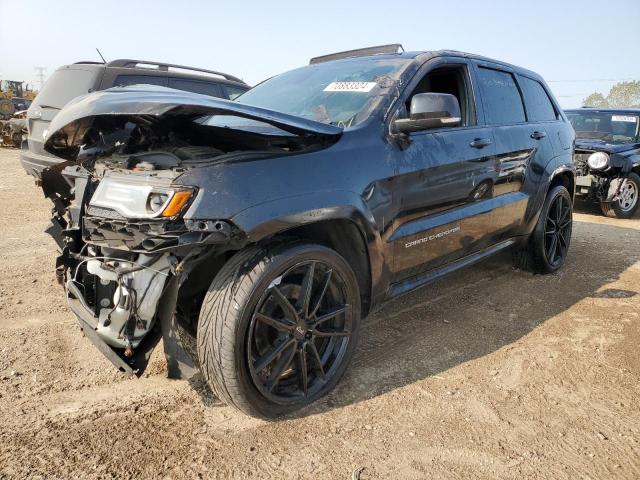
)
(116, 270)
(125, 293)
(118, 222)
(131, 257)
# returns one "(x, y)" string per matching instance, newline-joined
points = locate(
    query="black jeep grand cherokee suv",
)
(256, 234)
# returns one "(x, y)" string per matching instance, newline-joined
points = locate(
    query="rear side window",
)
(502, 100)
(233, 92)
(124, 80)
(196, 86)
(539, 106)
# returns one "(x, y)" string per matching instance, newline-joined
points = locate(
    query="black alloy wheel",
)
(546, 248)
(299, 332)
(278, 327)
(557, 231)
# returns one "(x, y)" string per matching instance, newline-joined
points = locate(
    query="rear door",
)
(203, 87)
(541, 109)
(521, 146)
(197, 86)
(126, 79)
(233, 91)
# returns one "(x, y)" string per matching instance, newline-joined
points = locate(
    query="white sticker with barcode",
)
(623, 118)
(363, 87)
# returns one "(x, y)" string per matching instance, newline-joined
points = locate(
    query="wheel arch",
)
(564, 176)
(343, 236)
(559, 171)
(346, 225)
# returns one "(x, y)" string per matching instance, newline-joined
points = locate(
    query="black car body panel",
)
(418, 204)
(140, 100)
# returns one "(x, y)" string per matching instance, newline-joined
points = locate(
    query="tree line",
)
(621, 95)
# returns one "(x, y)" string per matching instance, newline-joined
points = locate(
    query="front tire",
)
(548, 245)
(278, 327)
(627, 203)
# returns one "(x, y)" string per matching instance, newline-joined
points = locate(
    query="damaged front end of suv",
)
(129, 217)
(607, 158)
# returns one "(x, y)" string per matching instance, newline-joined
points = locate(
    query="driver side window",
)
(451, 79)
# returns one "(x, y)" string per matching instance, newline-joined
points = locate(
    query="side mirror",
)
(430, 110)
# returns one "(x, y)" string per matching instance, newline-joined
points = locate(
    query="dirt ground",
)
(490, 373)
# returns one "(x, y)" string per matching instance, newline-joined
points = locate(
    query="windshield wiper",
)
(50, 106)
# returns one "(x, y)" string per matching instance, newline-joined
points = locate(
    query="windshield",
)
(340, 93)
(608, 127)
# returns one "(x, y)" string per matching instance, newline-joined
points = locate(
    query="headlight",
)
(156, 201)
(135, 200)
(598, 160)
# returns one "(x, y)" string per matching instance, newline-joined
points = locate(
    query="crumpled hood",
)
(601, 146)
(66, 131)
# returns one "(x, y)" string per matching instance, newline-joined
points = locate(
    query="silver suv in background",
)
(71, 81)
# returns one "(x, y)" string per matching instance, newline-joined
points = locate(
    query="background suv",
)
(70, 81)
(607, 158)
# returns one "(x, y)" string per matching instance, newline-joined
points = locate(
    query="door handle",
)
(538, 135)
(480, 142)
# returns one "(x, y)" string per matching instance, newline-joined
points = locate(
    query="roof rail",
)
(128, 63)
(358, 52)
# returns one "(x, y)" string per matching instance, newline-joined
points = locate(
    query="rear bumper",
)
(34, 163)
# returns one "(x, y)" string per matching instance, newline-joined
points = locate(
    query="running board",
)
(428, 277)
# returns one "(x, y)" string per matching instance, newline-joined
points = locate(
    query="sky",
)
(578, 46)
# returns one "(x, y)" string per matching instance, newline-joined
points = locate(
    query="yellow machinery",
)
(14, 97)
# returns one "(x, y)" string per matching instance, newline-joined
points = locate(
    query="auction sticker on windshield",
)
(350, 87)
(623, 118)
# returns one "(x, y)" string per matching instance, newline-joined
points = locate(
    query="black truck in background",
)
(607, 158)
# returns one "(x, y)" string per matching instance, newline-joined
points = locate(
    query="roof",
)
(163, 67)
(421, 57)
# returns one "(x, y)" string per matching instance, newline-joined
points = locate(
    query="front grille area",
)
(580, 161)
(130, 235)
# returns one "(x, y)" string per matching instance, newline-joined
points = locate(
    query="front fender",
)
(634, 161)
(277, 216)
(269, 218)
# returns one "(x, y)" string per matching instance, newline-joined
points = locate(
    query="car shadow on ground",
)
(470, 314)
(475, 312)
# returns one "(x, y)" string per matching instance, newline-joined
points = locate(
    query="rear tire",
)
(627, 205)
(7, 109)
(548, 245)
(278, 327)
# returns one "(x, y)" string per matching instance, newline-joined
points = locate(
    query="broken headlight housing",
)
(598, 160)
(132, 199)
